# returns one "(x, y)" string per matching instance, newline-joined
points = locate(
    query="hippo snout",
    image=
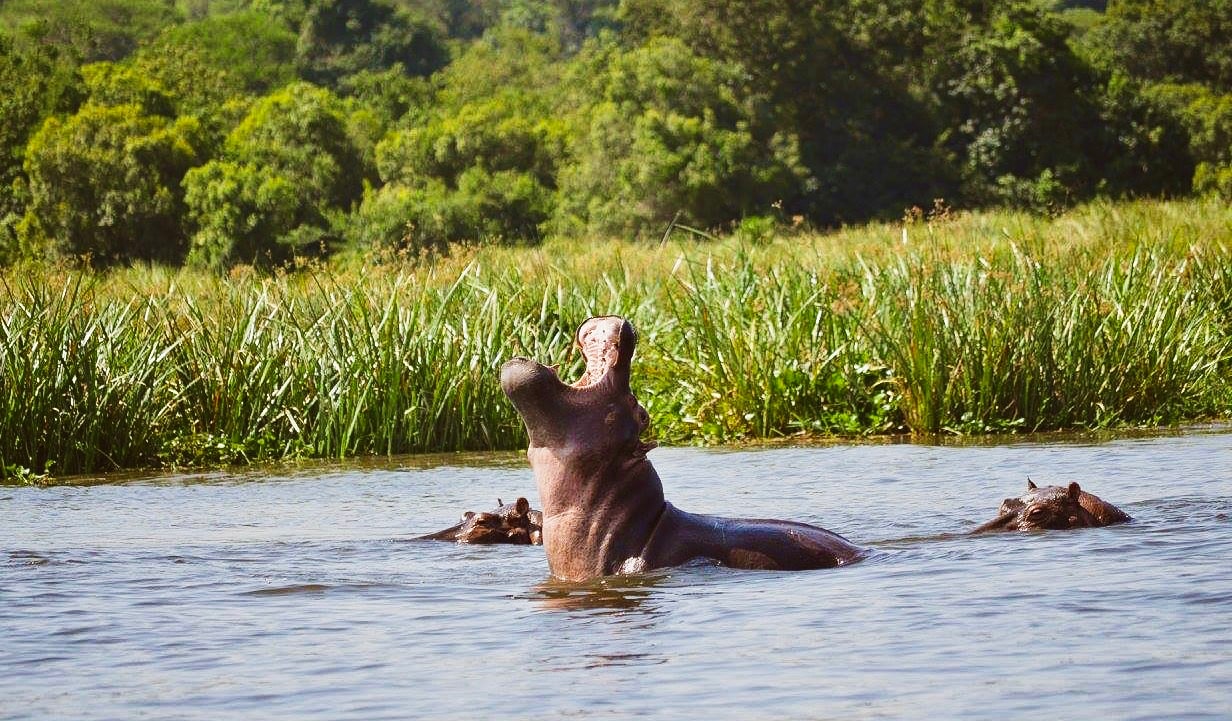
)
(521, 373)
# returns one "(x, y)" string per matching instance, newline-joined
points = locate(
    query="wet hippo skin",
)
(603, 506)
(515, 522)
(1053, 507)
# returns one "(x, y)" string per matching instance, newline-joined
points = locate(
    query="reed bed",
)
(1111, 315)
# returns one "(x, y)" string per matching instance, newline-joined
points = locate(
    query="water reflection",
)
(615, 595)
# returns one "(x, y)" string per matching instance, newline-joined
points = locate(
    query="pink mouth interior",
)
(600, 346)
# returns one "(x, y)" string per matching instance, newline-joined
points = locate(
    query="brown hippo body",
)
(1053, 507)
(515, 522)
(603, 506)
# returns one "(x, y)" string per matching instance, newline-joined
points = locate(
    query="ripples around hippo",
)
(298, 596)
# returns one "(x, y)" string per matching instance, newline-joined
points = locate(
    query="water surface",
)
(297, 594)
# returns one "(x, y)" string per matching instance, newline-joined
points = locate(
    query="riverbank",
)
(1109, 315)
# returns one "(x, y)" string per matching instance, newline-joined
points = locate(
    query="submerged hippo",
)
(513, 522)
(603, 506)
(1053, 507)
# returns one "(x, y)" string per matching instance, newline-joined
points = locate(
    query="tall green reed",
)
(759, 352)
(991, 322)
(978, 347)
(78, 388)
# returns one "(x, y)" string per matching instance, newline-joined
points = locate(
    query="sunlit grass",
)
(1114, 314)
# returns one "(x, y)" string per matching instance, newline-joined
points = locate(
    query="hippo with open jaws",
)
(1054, 508)
(603, 507)
(515, 523)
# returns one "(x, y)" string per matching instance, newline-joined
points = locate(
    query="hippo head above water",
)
(597, 415)
(1053, 507)
(603, 505)
(515, 522)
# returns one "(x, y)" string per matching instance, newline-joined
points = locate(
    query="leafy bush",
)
(667, 137)
(1206, 115)
(105, 184)
(1186, 42)
(499, 207)
(1020, 107)
(90, 29)
(255, 53)
(479, 165)
(338, 38)
(38, 82)
(287, 171)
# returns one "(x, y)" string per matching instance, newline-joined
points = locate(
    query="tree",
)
(1173, 42)
(485, 172)
(479, 161)
(1172, 63)
(105, 184)
(338, 38)
(664, 134)
(1021, 110)
(287, 172)
(39, 83)
(255, 53)
(91, 29)
(1206, 116)
(865, 141)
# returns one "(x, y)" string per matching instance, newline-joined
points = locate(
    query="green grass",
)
(1112, 315)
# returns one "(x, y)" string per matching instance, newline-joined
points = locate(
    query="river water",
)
(296, 594)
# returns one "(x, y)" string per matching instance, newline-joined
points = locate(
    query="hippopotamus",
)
(1053, 507)
(604, 511)
(513, 522)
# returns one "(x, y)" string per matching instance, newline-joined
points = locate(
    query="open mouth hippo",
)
(513, 522)
(1053, 507)
(603, 506)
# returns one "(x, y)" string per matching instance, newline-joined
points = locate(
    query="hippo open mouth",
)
(553, 409)
(599, 341)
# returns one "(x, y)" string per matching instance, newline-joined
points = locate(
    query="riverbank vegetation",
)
(1108, 315)
(242, 230)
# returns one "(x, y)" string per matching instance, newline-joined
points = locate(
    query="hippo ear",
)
(521, 506)
(1075, 491)
(1031, 484)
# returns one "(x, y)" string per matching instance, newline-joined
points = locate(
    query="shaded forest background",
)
(222, 132)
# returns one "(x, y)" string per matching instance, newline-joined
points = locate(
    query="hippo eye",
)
(1036, 513)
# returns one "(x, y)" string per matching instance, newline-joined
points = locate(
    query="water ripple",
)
(298, 597)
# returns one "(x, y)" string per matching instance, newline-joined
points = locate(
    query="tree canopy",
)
(255, 131)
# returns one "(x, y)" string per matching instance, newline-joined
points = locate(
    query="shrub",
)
(105, 184)
(287, 172)
(667, 137)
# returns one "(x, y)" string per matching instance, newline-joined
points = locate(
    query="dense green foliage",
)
(518, 120)
(282, 172)
(104, 183)
(1106, 316)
